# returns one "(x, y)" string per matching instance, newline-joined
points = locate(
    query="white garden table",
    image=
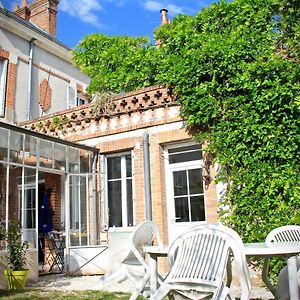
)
(287, 250)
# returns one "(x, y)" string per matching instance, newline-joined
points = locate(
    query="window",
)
(80, 101)
(3, 75)
(119, 190)
(186, 190)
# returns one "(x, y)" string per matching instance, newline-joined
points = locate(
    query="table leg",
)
(153, 273)
(293, 282)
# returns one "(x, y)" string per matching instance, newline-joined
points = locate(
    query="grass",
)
(31, 294)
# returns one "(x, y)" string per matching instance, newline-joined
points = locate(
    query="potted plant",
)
(16, 256)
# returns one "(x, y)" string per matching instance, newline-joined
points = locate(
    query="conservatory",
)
(48, 184)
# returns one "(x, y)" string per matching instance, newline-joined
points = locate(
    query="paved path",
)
(79, 283)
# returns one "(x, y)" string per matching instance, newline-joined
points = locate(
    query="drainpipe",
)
(29, 94)
(95, 202)
(147, 189)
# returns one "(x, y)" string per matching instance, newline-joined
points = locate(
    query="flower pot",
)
(16, 279)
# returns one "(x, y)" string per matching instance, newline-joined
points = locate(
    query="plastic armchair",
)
(198, 260)
(144, 235)
(284, 234)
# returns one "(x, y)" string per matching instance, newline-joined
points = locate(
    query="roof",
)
(47, 137)
(32, 27)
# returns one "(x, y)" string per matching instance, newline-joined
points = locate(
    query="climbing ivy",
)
(235, 66)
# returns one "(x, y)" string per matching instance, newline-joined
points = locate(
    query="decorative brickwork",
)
(45, 95)
(4, 54)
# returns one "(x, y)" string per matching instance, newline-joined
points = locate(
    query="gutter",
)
(29, 91)
(147, 186)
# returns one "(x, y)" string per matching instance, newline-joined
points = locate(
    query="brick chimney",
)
(41, 12)
(23, 11)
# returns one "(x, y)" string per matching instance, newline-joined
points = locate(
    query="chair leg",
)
(140, 287)
(163, 291)
(265, 277)
(113, 274)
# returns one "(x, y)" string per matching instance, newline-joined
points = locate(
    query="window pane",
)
(195, 181)
(183, 154)
(115, 203)
(16, 147)
(128, 165)
(180, 183)
(197, 207)
(181, 209)
(129, 203)
(114, 167)
(195, 147)
(46, 153)
(60, 156)
(3, 143)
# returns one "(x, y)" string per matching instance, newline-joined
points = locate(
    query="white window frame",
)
(123, 190)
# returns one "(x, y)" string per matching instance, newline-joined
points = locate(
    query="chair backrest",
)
(145, 234)
(283, 234)
(200, 256)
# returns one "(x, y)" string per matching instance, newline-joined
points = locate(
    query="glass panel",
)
(115, 203)
(180, 183)
(183, 154)
(128, 166)
(78, 211)
(114, 167)
(198, 209)
(195, 147)
(16, 147)
(181, 209)
(60, 156)
(195, 181)
(85, 161)
(30, 150)
(29, 208)
(3, 143)
(129, 203)
(46, 154)
(74, 159)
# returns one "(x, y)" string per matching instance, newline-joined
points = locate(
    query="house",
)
(104, 168)
(149, 168)
(37, 76)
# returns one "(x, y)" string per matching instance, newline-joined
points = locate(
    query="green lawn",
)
(31, 294)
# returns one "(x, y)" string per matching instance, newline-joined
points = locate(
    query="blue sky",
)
(77, 18)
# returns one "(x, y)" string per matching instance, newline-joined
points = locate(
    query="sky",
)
(78, 18)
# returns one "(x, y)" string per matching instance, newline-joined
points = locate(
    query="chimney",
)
(164, 16)
(41, 13)
(23, 11)
(164, 21)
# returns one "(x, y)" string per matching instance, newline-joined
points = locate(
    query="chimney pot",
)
(164, 16)
(24, 3)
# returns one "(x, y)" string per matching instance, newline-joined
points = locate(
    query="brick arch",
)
(45, 95)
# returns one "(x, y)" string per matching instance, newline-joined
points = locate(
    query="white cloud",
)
(85, 10)
(156, 6)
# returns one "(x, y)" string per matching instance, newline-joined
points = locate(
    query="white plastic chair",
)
(198, 260)
(134, 266)
(283, 234)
